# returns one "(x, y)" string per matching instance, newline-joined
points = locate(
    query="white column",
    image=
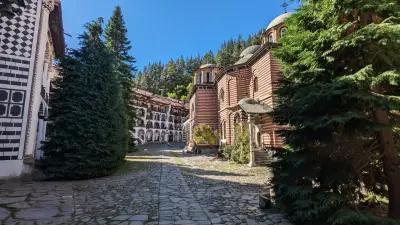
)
(251, 137)
(30, 142)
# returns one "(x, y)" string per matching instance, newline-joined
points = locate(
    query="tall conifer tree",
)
(85, 138)
(117, 41)
(340, 95)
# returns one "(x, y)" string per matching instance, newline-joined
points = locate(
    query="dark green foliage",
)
(171, 79)
(337, 58)
(7, 9)
(85, 138)
(351, 217)
(204, 134)
(240, 150)
(229, 52)
(208, 58)
(174, 78)
(118, 43)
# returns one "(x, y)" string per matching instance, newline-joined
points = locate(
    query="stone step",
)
(262, 158)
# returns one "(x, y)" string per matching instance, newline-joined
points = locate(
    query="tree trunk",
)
(391, 163)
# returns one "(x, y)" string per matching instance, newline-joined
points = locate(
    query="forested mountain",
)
(174, 78)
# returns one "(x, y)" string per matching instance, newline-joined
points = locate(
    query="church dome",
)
(208, 65)
(278, 20)
(249, 50)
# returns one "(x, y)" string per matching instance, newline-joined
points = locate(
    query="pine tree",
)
(117, 41)
(86, 139)
(209, 58)
(340, 96)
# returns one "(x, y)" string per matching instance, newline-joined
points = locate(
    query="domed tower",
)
(276, 29)
(203, 101)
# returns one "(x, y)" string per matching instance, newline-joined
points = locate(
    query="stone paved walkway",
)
(158, 185)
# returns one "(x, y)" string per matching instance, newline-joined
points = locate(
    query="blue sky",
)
(163, 29)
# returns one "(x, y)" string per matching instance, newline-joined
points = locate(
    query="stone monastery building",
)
(159, 119)
(29, 42)
(218, 93)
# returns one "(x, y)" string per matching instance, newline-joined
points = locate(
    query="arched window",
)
(271, 38)
(224, 130)
(222, 95)
(208, 77)
(140, 123)
(283, 31)
(192, 110)
(255, 84)
(237, 119)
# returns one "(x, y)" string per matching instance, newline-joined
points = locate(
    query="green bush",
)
(203, 134)
(227, 151)
(240, 150)
(352, 217)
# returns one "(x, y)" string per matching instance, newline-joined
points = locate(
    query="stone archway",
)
(157, 136)
(141, 135)
(180, 137)
(176, 137)
(149, 136)
(163, 138)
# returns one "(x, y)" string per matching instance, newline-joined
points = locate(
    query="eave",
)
(57, 29)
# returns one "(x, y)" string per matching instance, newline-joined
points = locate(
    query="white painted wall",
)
(11, 168)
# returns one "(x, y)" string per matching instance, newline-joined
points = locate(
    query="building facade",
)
(203, 100)
(159, 119)
(29, 43)
(254, 76)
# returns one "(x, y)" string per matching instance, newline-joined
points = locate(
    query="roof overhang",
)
(251, 106)
(57, 29)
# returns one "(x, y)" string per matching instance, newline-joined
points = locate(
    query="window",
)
(198, 78)
(192, 110)
(208, 78)
(222, 95)
(224, 135)
(223, 130)
(255, 84)
(237, 119)
(283, 31)
(271, 38)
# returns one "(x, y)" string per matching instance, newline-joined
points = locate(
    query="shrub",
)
(227, 151)
(240, 150)
(203, 134)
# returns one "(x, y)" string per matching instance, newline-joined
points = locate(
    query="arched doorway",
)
(176, 137)
(157, 136)
(149, 136)
(163, 134)
(141, 135)
(171, 136)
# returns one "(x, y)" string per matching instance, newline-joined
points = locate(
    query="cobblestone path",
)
(158, 185)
